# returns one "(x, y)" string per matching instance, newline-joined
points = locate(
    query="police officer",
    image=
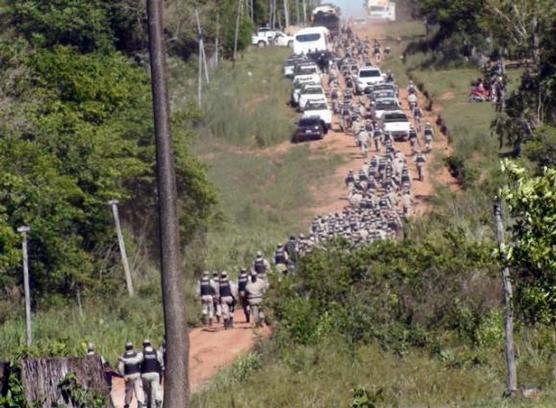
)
(226, 300)
(215, 285)
(206, 292)
(292, 249)
(151, 373)
(256, 289)
(429, 135)
(129, 366)
(281, 259)
(242, 285)
(420, 161)
(261, 265)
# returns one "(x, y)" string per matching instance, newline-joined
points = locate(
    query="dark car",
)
(310, 128)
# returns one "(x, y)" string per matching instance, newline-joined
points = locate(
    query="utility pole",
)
(176, 384)
(202, 54)
(23, 230)
(121, 243)
(508, 302)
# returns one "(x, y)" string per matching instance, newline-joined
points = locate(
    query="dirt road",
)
(215, 349)
(210, 351)
(331, 195)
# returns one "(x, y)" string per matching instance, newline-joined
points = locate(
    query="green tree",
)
(532, 206)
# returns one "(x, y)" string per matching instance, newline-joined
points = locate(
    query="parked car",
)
(382, 93)
(262, 37)
(265, 38)
(298, 85)
(321, 109)
(397, 124)
(367, 77)
(310, 93)
(291, 63)
(306, 71)
(385, 105)
(309, 128)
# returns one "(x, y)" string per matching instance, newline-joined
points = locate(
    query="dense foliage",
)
(532, 205)
(398, 293)
(76, 132)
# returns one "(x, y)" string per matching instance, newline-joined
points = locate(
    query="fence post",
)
(508, 302)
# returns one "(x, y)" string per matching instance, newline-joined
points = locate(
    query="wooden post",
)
(121, 243)
(202, 55)
(176, 381)
(23, 230)
(508, 302)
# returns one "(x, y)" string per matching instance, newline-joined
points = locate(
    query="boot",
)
(205, 320)
(217, 319)
(210, 322)
(226, 324)
(231, 322)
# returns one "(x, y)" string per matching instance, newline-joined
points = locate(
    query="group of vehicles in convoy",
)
(317, 106)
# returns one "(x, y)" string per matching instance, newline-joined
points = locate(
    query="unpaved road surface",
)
(210, 351)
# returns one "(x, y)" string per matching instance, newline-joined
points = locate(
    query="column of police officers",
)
(220, 295)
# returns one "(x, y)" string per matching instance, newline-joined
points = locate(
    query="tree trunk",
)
(511, 380)
(297, 13)
(304, 12)
(236, 33)
(286, 14)
(41, 378)
(176, 385)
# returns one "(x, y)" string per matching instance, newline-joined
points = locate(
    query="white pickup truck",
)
(264, 38)
(397, 124)
(321, 109)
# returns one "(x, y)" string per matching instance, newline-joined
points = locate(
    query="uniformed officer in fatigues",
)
(281, 260)
(206, 292)
(420, 161)
(129, 366)
(151, 373)
(214, 283)
(261, 266)
(242, 285)
(226, 301)
(256, 289)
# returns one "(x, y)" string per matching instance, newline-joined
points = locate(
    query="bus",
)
(311, 39)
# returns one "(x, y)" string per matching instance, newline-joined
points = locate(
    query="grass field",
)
(263, 189)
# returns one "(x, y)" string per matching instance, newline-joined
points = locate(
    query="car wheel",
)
(261, 44)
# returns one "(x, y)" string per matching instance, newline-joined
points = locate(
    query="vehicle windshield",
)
(383, 94)
(387, 105)
(395, 117)
(307, 71)
(309, 122)
(316, 106)
(370, 73)
(307, 37)
(313, 91)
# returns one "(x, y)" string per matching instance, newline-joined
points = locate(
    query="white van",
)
(310, 40)
(386, 12)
